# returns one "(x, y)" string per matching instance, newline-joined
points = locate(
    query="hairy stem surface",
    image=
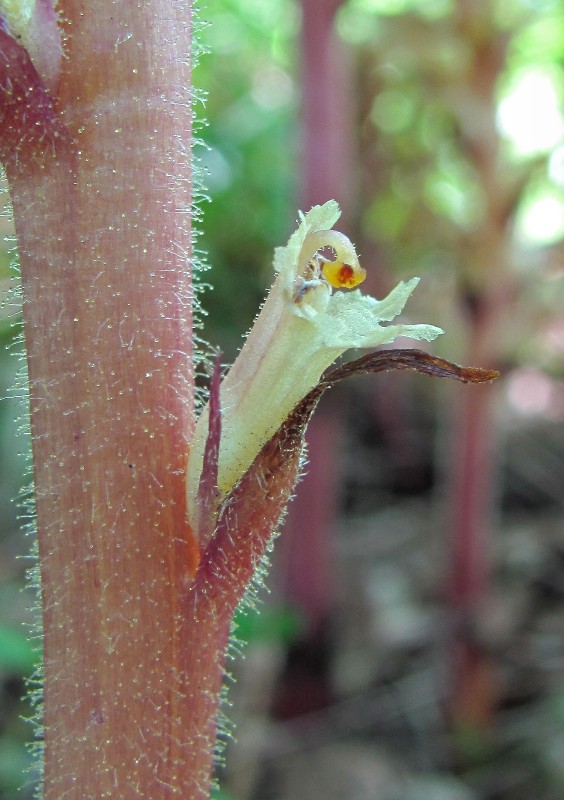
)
(102, 215)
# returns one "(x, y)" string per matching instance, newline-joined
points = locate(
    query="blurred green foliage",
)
(269, 624)
(423, 115)
(250, 154)
(16, 652)
(219, 794)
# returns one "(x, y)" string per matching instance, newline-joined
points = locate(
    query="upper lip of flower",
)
(302, 328)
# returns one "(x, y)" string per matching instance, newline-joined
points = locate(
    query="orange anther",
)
(342, 276)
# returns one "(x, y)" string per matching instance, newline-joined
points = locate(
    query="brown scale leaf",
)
(252, 511)
(417, 360)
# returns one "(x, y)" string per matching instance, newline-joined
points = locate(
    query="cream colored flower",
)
(301, 329)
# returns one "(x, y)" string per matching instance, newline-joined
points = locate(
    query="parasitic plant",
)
(151, 525)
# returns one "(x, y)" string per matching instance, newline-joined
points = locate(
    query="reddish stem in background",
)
(327, 121)
(486, 287)
(472, 487)
(474, 690)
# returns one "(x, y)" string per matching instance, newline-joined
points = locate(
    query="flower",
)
(301, 329)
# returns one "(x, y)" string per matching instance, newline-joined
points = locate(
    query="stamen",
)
(341, 275)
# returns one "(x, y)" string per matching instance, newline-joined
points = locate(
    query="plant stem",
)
(474, 688)
(104, 237)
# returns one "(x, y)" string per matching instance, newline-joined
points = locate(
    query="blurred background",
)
(411, 646)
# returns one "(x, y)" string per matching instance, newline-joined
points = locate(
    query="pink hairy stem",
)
(100, 180)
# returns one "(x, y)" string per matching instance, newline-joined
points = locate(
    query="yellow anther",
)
(341, 275)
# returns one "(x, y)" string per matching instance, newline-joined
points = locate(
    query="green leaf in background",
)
(16, 652)
(218, 794)
(14, 763)
(281, 625)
